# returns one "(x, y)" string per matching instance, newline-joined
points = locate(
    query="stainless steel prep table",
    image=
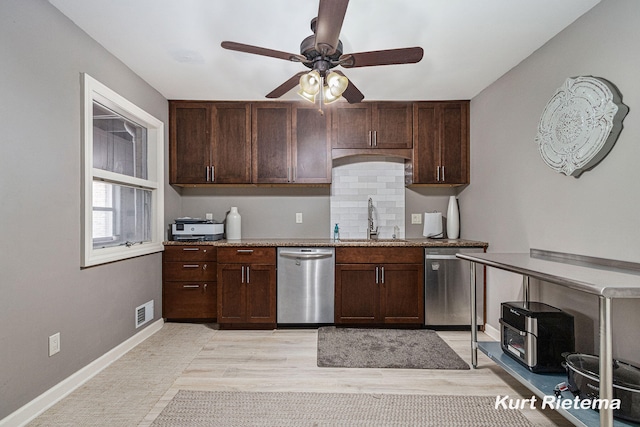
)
(604, 278)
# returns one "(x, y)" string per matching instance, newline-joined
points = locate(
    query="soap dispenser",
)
(336, 233)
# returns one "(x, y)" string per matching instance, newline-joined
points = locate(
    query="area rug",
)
(385, 348)
(213, 408)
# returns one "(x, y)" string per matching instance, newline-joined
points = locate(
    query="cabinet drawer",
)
(189, 253)
(189, 300)
(189, 270)
(248, 255)
(379, 255)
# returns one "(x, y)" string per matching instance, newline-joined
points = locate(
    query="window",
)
(122, 178)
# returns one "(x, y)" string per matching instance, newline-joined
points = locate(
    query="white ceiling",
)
(174, 45)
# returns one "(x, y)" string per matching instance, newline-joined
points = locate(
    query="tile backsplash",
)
(354, 180)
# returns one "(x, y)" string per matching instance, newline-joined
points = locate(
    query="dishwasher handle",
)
(306, 255)
(441, 257)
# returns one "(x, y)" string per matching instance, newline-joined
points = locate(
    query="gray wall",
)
(516, 202)
(42, 288)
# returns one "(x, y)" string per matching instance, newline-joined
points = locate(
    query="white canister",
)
(234, 224)
(453, 219)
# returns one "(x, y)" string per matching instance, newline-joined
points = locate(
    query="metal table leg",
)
(606, 361)
(474, 317)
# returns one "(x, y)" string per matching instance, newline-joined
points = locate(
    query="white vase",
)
(453, 219)
(234, 224)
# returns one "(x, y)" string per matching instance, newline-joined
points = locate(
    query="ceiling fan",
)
(322, 51)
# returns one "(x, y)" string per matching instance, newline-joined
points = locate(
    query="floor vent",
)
(144, 313)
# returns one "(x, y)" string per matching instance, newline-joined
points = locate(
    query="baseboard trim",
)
(37, 406)
(492, 332)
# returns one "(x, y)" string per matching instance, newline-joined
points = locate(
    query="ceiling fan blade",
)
(352, 94)
(263, 51)
(330, 16)
(408, 55)
(286, 86)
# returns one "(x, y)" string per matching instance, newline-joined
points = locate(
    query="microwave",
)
(536, 334)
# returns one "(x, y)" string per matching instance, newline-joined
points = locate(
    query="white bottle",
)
(233, 224)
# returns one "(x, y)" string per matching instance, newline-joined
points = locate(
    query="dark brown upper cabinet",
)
(311, 145)
(271, 142)
(441, 143)
(290, 144)
(374, 125)
(209, 142)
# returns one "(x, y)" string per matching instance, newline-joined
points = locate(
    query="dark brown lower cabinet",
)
(247, 287)
(189, 280)
(379, 286)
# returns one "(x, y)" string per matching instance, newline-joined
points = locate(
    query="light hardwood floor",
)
(135, 389)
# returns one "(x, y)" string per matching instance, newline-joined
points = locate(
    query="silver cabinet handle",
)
(190, 286)
(382, 275)
(205, 287)
(190, 265)
(377, 279)
(248, 275)
(375, 138)
(204, 267)
(242, 269)
(190, 249)
(208, 174)
(438, 174)
(370, 138)
(213, 173)
(443, 179)
(244, 251)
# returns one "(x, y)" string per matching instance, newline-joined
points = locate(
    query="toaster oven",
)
(536, 334)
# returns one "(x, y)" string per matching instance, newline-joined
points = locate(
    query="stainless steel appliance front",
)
(447, 294)
(305, 285)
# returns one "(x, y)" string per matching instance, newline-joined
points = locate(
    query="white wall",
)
(42, 288)
(515, 202)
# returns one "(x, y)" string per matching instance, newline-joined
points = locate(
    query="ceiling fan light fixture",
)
(337, 83)
(310, 85)
(308, 96)
(328, 95)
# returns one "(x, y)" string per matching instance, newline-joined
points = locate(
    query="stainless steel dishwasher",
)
(305, 286)
(446, 292)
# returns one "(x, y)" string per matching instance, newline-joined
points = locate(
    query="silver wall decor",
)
(580, 124)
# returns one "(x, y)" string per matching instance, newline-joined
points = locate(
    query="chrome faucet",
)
(371, 232)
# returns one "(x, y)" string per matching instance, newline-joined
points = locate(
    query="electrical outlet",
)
(54, 344)
(209, 217)
(298, 217)
(416, 218)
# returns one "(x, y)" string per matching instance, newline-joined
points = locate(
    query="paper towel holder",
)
(433, 227)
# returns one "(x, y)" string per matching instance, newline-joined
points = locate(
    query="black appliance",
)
(536, 335)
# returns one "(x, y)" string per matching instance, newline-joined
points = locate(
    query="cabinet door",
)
(357, 294)
(261, 293)
(231, 152)
(189, 300)
(351, 126)
(454, 144)
(402, 293)
(189, 142)
(392, 123)
(441, 143)
(311, 148)
(231, 294)
(426, 144)
(271, 142)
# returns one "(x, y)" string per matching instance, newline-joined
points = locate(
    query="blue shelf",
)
(542, 385)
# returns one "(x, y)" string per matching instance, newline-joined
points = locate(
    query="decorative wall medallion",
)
(580, 124)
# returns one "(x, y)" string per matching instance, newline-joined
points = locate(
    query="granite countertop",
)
(419, 242)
